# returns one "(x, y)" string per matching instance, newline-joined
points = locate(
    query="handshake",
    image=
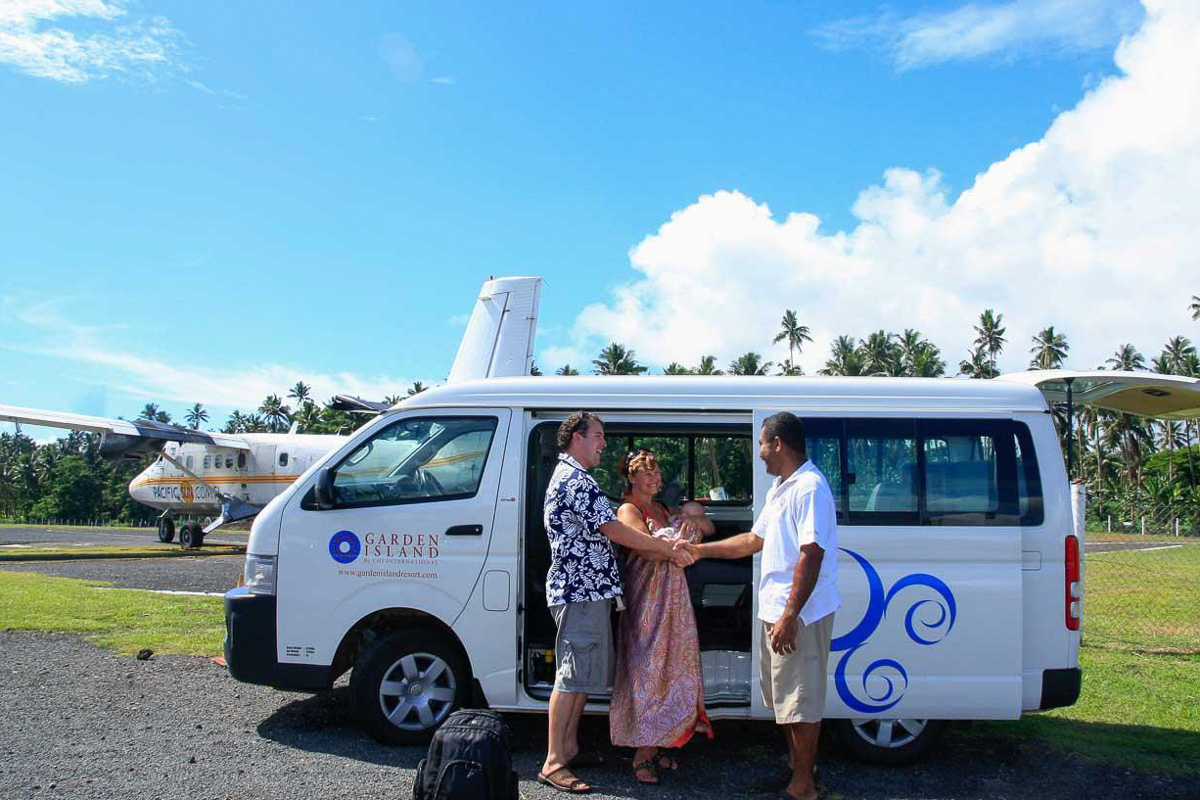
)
(684, 553)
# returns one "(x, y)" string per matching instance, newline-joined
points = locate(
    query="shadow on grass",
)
(1144, 748)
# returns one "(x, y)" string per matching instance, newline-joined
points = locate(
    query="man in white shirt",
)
(797, 591)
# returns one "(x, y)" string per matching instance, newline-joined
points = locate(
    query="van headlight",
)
(259, 574)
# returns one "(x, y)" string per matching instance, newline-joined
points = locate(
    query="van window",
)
(416, 460)
(823, 441)
(710, 468)
(882, 471)
(724, 468)
(975, 474)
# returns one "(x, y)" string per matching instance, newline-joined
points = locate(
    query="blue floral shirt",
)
(583, 563)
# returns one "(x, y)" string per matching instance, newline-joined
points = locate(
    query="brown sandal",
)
(571, 784)
(664, 761)
(646, 767)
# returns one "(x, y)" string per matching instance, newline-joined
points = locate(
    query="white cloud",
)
(402, 57)
(975, 30)
(443, 80)
(1094, 229)
(160, 380)
(35, 39)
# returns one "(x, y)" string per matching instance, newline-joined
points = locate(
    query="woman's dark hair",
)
(576, 422)
(787, 427)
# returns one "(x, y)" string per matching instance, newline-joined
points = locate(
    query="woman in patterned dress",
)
(658, 691)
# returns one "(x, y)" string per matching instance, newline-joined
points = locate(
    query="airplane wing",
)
(121, 437)
(356, 405)
(1145, 394)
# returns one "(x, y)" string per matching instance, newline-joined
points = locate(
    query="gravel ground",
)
(181, 573)
(81, 723)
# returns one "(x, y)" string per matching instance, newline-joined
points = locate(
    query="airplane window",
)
(229, 462)
(241, 460)
(189, 462)
(206, 462)
(283, 459)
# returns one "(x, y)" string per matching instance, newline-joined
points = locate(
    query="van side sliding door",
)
(929, 565)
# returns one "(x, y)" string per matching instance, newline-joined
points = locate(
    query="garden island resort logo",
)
(890, 671)
(344, 547)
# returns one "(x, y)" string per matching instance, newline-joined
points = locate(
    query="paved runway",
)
(50, 536)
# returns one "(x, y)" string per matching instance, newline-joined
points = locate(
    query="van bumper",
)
(251, 648)
(1060, 687)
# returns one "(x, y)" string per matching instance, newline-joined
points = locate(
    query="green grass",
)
(71, 553)
(1144, 601)
(1140, 711)
(124, 620)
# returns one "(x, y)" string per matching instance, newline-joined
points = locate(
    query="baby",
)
(691, 510)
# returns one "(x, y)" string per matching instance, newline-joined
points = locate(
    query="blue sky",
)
(205, 203)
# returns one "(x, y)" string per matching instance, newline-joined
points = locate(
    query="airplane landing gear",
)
(191, 536)
(166, 530)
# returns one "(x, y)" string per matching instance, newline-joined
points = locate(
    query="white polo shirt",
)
(797, 512)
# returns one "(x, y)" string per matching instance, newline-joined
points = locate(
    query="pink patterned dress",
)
(658, 691)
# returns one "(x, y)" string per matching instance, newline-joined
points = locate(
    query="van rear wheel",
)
(406, 683)
(889, 741)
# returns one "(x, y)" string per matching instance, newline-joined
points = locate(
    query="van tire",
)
(403, 659)
(910, 739)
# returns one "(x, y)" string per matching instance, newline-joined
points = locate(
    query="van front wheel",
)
(406, 683)
(889, 741)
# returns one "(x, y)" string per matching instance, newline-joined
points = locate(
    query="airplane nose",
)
(138, 488)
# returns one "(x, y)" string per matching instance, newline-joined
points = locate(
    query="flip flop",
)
(570, 784)
(664, 761)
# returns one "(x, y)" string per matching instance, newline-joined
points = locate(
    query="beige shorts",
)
(793, 685)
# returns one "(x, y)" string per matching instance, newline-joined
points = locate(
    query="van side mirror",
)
(323, 490)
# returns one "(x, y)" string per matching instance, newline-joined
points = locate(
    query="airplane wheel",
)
(190, 536)
(166, 530)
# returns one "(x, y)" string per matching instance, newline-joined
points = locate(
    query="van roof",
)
(735, 393)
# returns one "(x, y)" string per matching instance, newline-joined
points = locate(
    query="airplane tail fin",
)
(498, 342)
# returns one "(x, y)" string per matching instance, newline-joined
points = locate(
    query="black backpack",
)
(470, 758)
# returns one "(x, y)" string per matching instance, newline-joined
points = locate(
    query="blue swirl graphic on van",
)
(890, 671)
(344, 547)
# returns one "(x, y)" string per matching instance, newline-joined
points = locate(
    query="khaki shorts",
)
(583, 647)
(793, 685)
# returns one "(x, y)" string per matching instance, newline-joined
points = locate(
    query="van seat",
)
(960, 486)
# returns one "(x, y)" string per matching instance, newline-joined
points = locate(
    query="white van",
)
(415, 554)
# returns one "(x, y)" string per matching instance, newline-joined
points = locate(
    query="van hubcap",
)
(889, 733)
(417, 691)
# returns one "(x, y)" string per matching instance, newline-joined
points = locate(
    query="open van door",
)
(1145, 394)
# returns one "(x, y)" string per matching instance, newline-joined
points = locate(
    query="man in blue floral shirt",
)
(581, 586)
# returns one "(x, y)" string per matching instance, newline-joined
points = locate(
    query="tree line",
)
(1127, 462)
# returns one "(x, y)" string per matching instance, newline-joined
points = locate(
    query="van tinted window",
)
(881, 471)
(710, 468)
(416, 460)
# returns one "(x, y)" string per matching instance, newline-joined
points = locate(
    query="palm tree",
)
(533, 368)
(149, 411)
(392, 399)
(416, 388)
(275, 412)
(991, 335)
(675, 368)
(880, 355)
(254, 423)
(1194, 307)
(790, 369)
(1127, 358)
(616, 360)
(925, 362)
(236, 423)
(978, 366)
(566, 369)
(793, 333)
(749, 364)
(309, 416)
(1049, 349)
(844, 358)
(1177, 351)
(195, 415)
(708, 366)
(301, 393)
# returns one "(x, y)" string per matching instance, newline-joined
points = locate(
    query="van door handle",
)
(464, 530)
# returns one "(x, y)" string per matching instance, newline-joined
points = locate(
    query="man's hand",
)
(684, 546)
(682, 557)
(783, 634)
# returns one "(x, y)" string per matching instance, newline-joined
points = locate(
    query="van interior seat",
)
(952, 486)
